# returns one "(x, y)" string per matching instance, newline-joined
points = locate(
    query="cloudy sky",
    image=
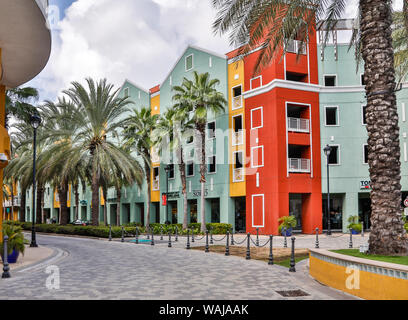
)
(135, 39)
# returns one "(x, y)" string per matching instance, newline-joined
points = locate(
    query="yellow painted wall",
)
(155, 107)
(235, 78)
(373, 286)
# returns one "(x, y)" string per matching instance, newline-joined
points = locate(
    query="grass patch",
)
(281, 256)
(356, 253)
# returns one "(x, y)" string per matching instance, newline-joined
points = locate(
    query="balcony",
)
(299, 165)
(236, 102)
(17, 202)
(295, 46)
(238, 175)
(238, 138)
(298, 125)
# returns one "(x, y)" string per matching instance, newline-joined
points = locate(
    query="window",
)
(330, 81)
(189, 62)
(210, 62)
(363, 115)
(237, 97)
(334, 157)
(126, 92)
(212, 167)
(171, 172)
(190, 139)
(257, 157)
(256, 82)
(332, 117)
(238, 161)
(238, 123)
(257, 118)
(190, 168)
(156, 173)
(365, 153)
(362, 82)
(292, 76)
(211, 130)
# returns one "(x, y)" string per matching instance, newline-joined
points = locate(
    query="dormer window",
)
(189, 62)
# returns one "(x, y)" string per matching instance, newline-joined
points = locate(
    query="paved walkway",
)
(31, 256)
(94, 269)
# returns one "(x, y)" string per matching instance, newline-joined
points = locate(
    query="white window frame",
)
(263, 210)
(124, 92)
(364, 145)
(362, 114)
(252, 157)
(208, 131)
(192, 62)
(252, 79)
(174, 170)
(140, 95)
(158, 180)
(232, 95)
(187, 164)
(361, 79)
(210, 64)
(337, 116)
(338, 155)
(233, 129)
(234, 159)
(330, 75)
(208, 157)
(252, 123)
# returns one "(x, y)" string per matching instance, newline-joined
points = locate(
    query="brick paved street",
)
(95, 269)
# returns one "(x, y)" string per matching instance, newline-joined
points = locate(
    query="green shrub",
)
(354, 224)
(16, 239)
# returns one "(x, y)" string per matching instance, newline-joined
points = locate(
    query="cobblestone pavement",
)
(94, 269)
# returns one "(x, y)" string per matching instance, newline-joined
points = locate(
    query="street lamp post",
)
(167, 169)
(35, 121)
(327, 150)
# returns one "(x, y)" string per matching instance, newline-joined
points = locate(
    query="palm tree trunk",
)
(76, 192)
(40, 191)
(182, 169)
(42, 206)
(118, 199)
(23, 205)
(203, 170)
(105, 205)
(12, 201)
(387, 235)
(95, 200)
(63, 197)
(149, 193)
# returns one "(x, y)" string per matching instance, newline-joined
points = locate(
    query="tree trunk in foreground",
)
(118, 199)
(149, 194)
(95, 200)
(23, 205)
(63, 200)
(203, 169)
(387, 235)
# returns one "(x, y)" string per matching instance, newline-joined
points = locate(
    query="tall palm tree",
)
(168, 136)
(272, 23)
(137, 135)
(100, 109)
(18, 104)
(203, 98)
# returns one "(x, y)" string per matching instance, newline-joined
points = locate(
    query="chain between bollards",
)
(192, 235)
(188, 239)
(270, 261)
(257, 237)
(248, 250)
(161, 232)
(110, 233)
(232, 237)
(152, 243)
(147, 231)
(207, 247)
(317, 239)
(123, 235)
(285, 242)
(351, 239)
(227, 253)
(6, 267)
(169, 245)
(292, 257)
(137, 236)
(176, 238)
(211, 237)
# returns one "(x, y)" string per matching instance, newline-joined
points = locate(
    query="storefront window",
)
(336, 213)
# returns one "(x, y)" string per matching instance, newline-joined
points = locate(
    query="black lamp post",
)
(327, 150)
(35, 121)
(167, 169)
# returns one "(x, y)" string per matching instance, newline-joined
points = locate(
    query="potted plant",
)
(287, 223)
(15, 244)
(354, 225)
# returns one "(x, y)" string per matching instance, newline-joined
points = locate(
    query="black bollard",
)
(285, 242)
(270, 261)
(211, 237)
(110, 233)
(169, 240)
(207, 248)
(147, 231)
(317, 238)
(292, 257)
(227, 253)
(248, 251)
(176, 239)
(152, 243)
(257, 237)
(6, 268)
(161, 232)
(188, 239)
(123, 235)
(351, 239)
(192, 235)
(137, 236)
(232, 237)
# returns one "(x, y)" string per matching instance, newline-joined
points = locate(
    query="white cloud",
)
(139, 40)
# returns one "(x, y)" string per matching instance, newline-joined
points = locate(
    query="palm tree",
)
(18, 104)
(272, 23)
(203, 98)
(100, 109)
(168, 135)
(137, 135)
